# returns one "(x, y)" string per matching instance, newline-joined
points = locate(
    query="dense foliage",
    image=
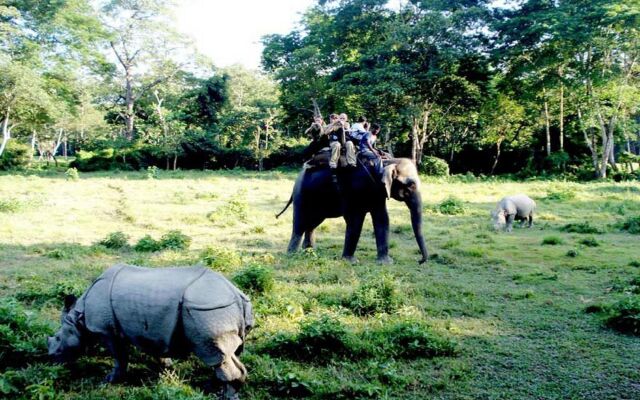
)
(531, 87)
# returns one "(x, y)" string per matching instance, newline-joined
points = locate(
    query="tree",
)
(144, 46)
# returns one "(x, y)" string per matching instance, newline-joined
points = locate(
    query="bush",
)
(625, 315)
(409, 339)
(16, 155)
(255, 279)
(175, 240)
(220, 258)
(561, 195)
(590, 242)
(572, 253)
(10, 205)
(21, 335)
(39, 292)
(434, 166)
(147, 244)
(581, 227)
(451, 206)
(87, 161)
(632, 225)
(552, 240)
(152, 172)
(72, 174)
(321, 337)
(115, 240)
(379, 295)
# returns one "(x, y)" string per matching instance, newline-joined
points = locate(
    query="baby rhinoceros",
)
(519, 207)
(166, 312)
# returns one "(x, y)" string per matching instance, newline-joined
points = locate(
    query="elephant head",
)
(402, 183)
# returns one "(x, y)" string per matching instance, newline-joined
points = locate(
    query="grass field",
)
(491, 316)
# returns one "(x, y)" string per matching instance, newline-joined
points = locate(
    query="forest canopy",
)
(530, 87)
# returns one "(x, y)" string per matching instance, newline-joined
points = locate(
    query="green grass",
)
(492, 315)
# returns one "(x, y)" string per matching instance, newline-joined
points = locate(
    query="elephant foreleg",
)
(380, 219)
(354, 220)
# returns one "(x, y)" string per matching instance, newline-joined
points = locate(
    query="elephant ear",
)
(388, 175)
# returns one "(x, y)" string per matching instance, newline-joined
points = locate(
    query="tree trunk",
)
(129, 100)
(387, 141)
(497, 156)
(414, 141)
(562, 117)
(175, 161)
(33, 143)
(591, 145)
(6, 134)
(547, 124)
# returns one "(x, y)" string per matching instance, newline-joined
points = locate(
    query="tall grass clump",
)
(552, 240)
(115, 240)
(632, 225)
(21, 334)
(561, 195)
(451, 206)
(408, 339)
(255, 279)
(378, 295)
(71, 174)
(625, 315)
(581, 227)
(175, 240)
(321, 337)
(10, 205)
(147, 244)
(235, 209)
(590, 242)
(220, 258)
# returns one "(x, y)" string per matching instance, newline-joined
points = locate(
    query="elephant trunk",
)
(414, 203)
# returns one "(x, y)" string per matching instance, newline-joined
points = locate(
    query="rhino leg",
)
(510, 219)
(530, 221)
(120, 352)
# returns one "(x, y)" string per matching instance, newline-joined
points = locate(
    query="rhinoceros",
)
(519, 207)
(166, 312)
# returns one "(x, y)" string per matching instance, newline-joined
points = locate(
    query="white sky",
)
(229, 31)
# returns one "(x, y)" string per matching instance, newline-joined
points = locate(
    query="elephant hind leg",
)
(294, 242)
(309, 239)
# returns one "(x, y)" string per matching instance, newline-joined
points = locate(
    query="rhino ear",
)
(69, 302)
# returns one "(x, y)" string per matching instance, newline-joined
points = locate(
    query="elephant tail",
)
(285, 207)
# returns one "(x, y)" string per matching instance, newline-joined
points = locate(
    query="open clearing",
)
(512, 308)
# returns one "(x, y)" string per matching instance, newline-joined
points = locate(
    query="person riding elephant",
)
(315, 198)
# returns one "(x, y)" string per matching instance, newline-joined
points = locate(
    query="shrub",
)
(625, 315)
(152, 172)
(561, 195)
(87, 161)
(235, 209)
(590, 242)
(115, 240)
(21, 335)
(434, 166)
(321, 337)
(634, 263)
(379, 295)
(10, 205)
(632, 225)
(175, 240)
(552, 240)
(581, 227)
(16, 155)
(147, 244)
(72, 174)
(220, 258)
(451, 206)
(409, 339)
(39, 292)
(255, 279)
(572, 253)
(36, 381)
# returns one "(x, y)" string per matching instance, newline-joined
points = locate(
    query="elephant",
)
(317, 196)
